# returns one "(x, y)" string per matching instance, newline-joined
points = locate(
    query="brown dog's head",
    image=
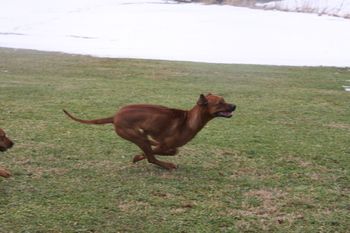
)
(5, 142)
(216, 106)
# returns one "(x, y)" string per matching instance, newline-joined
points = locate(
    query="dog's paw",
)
(170, 166)
(138, 158)
(4, 173)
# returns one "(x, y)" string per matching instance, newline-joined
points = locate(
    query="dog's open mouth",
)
(224, 114)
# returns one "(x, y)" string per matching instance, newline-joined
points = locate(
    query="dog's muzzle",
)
(4, 148)
(227, 113)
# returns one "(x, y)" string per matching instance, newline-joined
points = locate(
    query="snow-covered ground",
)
(339, 8)
(156, 29)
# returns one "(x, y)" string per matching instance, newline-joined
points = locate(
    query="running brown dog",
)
(5, 143)
(158, 130)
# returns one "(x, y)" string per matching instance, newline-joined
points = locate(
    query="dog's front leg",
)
(157, 151)
(143, 141)
(166, 165)
(149, 154)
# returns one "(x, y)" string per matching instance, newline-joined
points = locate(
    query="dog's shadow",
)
(184, 171)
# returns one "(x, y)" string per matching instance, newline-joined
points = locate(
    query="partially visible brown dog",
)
(158, 130)
(5, 143)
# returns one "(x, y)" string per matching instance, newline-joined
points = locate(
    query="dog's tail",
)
(96, 122)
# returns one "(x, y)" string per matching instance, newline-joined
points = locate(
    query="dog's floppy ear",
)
(202, 101)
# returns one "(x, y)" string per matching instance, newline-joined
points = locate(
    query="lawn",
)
(281, 164)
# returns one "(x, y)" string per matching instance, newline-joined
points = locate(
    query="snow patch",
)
(156, 29)
(339, 8)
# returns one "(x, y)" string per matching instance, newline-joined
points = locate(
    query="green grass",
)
(281, 164)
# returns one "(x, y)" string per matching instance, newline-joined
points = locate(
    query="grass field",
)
(281, 164)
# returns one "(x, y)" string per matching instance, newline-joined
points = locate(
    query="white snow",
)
(347, 88)
(156, 29)
(339, 8)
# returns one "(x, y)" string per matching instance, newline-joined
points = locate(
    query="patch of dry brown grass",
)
(338, 126)
(131, 206)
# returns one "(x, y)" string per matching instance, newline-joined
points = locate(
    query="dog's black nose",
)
(232, 107)
(11, 144)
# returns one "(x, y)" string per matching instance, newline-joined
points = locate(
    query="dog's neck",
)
(197, 118)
